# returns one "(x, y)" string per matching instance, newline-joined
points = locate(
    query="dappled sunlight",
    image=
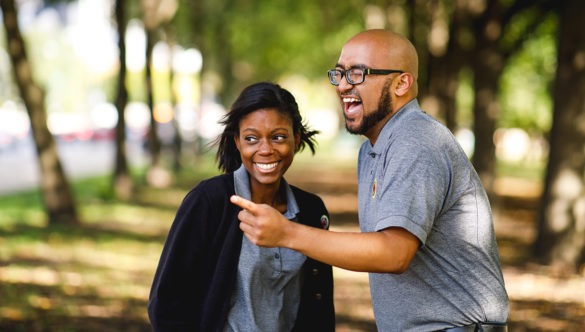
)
(98, 275)
(538, 285)
(143, 220)
(568, 184)
(88, 279)
(39, 275)
(118, 271)
(63, 276)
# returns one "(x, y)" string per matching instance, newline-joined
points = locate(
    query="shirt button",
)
(277, 256)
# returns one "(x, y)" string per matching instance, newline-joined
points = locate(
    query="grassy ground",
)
(96, 277)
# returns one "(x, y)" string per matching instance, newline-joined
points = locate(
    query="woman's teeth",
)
(267, 167)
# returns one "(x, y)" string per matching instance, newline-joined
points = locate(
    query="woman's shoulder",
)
(313, 211)
(221, 185)
(305, 198)
(303, 193)
(216, 180)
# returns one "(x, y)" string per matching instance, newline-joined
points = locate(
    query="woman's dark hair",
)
(255, 97)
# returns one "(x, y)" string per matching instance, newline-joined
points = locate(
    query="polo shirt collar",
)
(388, 128)
(242, 188)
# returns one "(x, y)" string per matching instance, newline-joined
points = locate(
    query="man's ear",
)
(404, 84)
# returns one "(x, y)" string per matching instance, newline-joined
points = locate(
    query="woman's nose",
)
(265, 147)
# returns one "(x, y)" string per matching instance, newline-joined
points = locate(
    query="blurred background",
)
(108, 112)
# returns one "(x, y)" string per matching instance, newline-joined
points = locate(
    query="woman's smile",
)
(264, 167)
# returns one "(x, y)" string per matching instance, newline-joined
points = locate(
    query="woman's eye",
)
(250, 138)
(280, 137)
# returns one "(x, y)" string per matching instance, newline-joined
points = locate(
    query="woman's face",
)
(267, 145)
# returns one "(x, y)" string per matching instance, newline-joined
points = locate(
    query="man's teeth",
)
(266, 166)
(351, 100)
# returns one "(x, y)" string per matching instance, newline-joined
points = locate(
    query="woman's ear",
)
(297, 141)
(237, 141)
(404, 84)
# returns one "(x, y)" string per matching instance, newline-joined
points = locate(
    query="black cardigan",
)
(196, 274)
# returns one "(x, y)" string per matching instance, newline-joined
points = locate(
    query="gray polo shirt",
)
(418, 178)
(268, 285)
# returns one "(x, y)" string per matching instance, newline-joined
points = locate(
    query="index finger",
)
(243, 203)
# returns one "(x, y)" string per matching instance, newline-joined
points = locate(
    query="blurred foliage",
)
(533, 170)
(527, 81)
(250, 40)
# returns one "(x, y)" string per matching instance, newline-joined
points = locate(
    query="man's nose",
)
(343, 84)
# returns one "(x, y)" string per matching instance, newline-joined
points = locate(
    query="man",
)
(427, 234)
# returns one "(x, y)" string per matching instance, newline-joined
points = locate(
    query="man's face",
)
(364, 105)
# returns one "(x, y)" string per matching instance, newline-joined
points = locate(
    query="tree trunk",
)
(561, 223)
(487, 62)
(487, 68)
(177, 137)
(154, 144)
(122, 181)
(445, 64)
(155, 13)
(57, 195)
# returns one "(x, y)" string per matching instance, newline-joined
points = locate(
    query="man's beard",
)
(370, 120)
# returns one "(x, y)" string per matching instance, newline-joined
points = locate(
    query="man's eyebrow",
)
(362, 66)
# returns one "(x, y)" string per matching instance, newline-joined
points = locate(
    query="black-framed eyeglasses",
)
(357, 75)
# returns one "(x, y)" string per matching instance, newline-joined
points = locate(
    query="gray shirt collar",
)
(242, 188)
(386, 132)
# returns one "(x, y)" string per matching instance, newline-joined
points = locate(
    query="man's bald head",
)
(397, 51)
(382, 49)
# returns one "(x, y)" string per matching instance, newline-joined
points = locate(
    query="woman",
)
(210, 277)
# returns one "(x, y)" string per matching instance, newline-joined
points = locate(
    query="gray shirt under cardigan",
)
(417, 177)
(268, 283)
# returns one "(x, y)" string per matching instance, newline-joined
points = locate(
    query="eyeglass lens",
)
(353, 75)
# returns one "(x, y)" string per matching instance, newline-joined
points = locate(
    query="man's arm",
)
(390, 250)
